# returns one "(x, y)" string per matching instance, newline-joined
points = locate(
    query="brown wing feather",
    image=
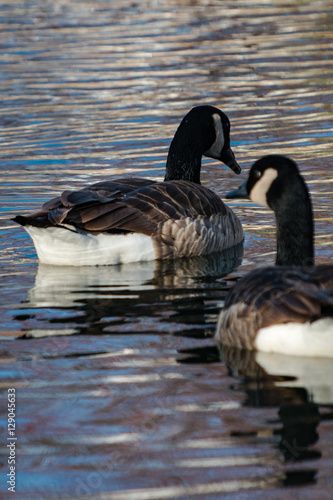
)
(271, 296)
(144, 209)
(101, 191)
(284, 294)
(129, 205)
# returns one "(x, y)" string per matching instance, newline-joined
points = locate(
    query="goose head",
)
(271, 179)
(275, 181)
(205, 130)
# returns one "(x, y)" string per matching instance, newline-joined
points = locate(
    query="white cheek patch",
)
(215, 150)
(258, 193)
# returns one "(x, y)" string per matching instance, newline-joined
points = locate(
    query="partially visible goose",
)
(287, 308)
(135, 219)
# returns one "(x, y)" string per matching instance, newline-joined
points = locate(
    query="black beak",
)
(241, 192)
(228, 157)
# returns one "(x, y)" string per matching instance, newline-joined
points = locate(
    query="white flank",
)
(298, 339)
(61, 247)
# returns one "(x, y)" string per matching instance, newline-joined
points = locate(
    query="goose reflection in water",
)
(298, 386)
(131, 298)
(301, 390)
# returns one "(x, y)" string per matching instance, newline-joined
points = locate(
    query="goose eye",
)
(257, 174)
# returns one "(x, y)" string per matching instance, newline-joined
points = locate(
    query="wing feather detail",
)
(181, 217)
(272, 296)
(121, 205)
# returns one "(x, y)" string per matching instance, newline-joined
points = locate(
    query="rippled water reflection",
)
(120, 389)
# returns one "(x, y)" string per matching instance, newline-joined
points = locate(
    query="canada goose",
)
(287, 308)
(135, 219)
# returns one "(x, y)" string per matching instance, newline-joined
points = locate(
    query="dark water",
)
(121, 392)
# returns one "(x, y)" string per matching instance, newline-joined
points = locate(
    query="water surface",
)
(121, 391)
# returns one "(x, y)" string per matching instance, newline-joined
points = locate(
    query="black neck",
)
(179, 167)
(184, 157)
(295, 230)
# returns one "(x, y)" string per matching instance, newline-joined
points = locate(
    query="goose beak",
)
(241, 192)
(228, 157)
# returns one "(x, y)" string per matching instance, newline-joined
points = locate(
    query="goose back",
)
(181, 218)
(275, 296)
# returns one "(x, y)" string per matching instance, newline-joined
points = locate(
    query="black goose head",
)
(275, 181)
(270, 180)
(205, 130)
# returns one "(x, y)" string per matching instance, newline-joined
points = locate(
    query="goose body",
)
(287, 308)
(134, 219)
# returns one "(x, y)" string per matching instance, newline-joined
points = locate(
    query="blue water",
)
(120, 386)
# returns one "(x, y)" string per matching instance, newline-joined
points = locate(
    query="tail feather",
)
(33, 220)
